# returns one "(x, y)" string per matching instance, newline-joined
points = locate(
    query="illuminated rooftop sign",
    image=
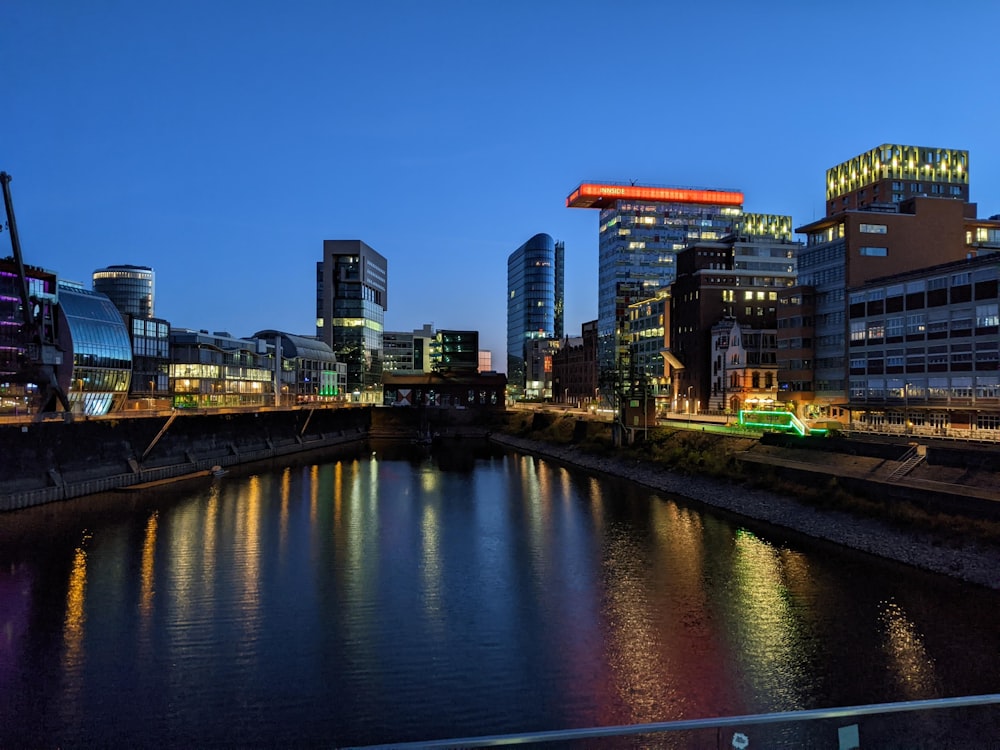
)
(593, 195)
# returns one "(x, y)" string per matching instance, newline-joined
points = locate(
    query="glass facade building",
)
(91, 327)
(351, 300)
(309, 371)
(532, 292)
(130, 288)
(641, 230)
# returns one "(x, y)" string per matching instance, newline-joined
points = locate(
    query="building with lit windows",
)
(351, 300)
(16, 392)
(733, 281)
(641, 230)
(130, 288)
(850, 246)
(213, 370)
(455, 351)
(648, 322)
(574, 367)
(92, 334)
(408, 352)
(534, 279)
(923, 351)
(891, 173)
(485, 360)
(307, 369)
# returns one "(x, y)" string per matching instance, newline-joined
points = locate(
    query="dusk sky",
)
(221, 142)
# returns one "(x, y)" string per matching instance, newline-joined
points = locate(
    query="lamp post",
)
(906, 408)
(690, 405)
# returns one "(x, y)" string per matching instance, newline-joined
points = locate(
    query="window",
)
(874, 228)
(857, 330)
(986, 316)
(874, 252)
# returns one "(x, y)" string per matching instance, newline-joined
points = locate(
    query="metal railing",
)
(740, 739)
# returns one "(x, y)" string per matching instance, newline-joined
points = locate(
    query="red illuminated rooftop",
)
(602, 195)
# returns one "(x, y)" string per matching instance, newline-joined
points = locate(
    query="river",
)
(405, 596)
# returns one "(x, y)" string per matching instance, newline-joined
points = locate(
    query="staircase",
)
(908, 462)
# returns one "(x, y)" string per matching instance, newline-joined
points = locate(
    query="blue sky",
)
(222, 142)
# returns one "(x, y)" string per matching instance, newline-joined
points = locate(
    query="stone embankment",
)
(972, 562)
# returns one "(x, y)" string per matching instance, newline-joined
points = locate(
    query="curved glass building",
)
(91, 327)
(129, 287)
(531, 304)
(309, 368)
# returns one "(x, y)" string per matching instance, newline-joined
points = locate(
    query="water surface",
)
(407, 597)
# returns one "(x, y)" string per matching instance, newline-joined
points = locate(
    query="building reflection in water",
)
(74, 655)
(147, 573)
(519, 596)
(774, 652)
(908, 661)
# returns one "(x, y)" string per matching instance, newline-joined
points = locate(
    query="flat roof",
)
(602, 195)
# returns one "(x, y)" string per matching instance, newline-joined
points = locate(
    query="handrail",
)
(558, 735)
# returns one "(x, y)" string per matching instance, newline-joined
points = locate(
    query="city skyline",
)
(221, 146)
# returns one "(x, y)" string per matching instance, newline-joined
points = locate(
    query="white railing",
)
(742, 738)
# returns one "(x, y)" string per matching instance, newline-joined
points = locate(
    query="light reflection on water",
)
(388, 599)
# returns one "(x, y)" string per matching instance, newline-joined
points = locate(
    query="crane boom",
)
(42, 354)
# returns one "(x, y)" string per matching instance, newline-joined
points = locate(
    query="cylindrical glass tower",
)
(130, 288)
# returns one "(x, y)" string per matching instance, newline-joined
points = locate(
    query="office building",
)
(212, 370)
(485, 360)
(351, 300)
(455, 351)
(574, 367)
(892, 173)
(923, 351)
(559, 300)
(648, 323)
(130, 288)
(18, 381)
(534, 280)
(408, 352)
(306, 369)
(93, 335)
(734, 281)
(641, 230)
(849, 247)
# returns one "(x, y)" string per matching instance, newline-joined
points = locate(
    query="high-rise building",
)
(926, 222)
(130, 288)
(641, 230)
(891, 173)
(534, 285)
(731, 286)
(559, 308)
(351, 300)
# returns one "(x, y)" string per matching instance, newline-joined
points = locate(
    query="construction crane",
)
(41, 358)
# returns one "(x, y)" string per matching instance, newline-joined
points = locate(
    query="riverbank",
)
(972, 561)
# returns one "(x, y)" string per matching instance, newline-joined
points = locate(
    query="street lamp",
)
(690, 405)
(906, 408)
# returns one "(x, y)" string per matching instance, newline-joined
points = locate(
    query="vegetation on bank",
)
(694, 453)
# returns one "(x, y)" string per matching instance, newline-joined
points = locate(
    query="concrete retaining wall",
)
(49, 461)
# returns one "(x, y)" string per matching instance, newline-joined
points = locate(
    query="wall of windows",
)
(94, 331)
